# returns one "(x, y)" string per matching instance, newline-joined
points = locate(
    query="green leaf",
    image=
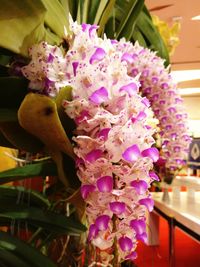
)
(128, 21)
(149, 31)
(23, 24)
(3, 69)
(23, 251)
(93, 11)
(68, 124)
(6, 52)
(137, 36)
(56, 18)
(4, 60)
(101, 7)
(65, 5)
(38, 115)
(73, 8)
(48, 220)
(79, 16)
(19, 194)
(12, 91)
(19, 137)
(11, 260)
(86, 10)
(28, 171)
(105, 16)
(110, 27)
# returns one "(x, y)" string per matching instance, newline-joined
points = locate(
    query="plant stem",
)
(33, 237)
(115, 247)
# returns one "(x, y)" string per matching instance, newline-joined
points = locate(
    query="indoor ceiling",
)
(187, 54)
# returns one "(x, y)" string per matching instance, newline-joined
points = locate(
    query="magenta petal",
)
(50, 58)
(98, 55)
(133, 119)
(131, 153)
(148, 203)
(85, 27)
(93, 155)
(93, 232)
(125, 243)
(84, 115)
(131, 88)
(131, 256)
(99, 96)
(164, 86)
(142, 237)
(104, 133)
(92, 29)
(86, 190)
(140, 186)
(127, 57)
(146, 102)
(105, 184)
(113, 41)
(154, 176)
(138, 225)
(117, 207)
(152, 153)
(102, 222)
(142, 115)
(147, 127)
(75, 66)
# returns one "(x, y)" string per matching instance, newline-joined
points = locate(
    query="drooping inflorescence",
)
(113, 139)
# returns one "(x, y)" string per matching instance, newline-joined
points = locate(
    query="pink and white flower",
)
(115, 150)
(113, 141)
(157, 85)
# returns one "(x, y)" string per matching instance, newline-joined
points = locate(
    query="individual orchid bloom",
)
(148, 203)
(117, 207)
(125, 244)
(86, 190)
(154, 176)
(93, 232)
(101, 222)
(132, 256)
(105, 184)
(138, 225)
(98, 55)
(99, 96)
(151, 153)
(140, 186)
(132, 153)
(131, 88)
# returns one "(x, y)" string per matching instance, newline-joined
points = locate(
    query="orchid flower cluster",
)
(113, 139)
(158, 86)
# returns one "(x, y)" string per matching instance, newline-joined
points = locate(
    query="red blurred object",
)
(186, 250)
